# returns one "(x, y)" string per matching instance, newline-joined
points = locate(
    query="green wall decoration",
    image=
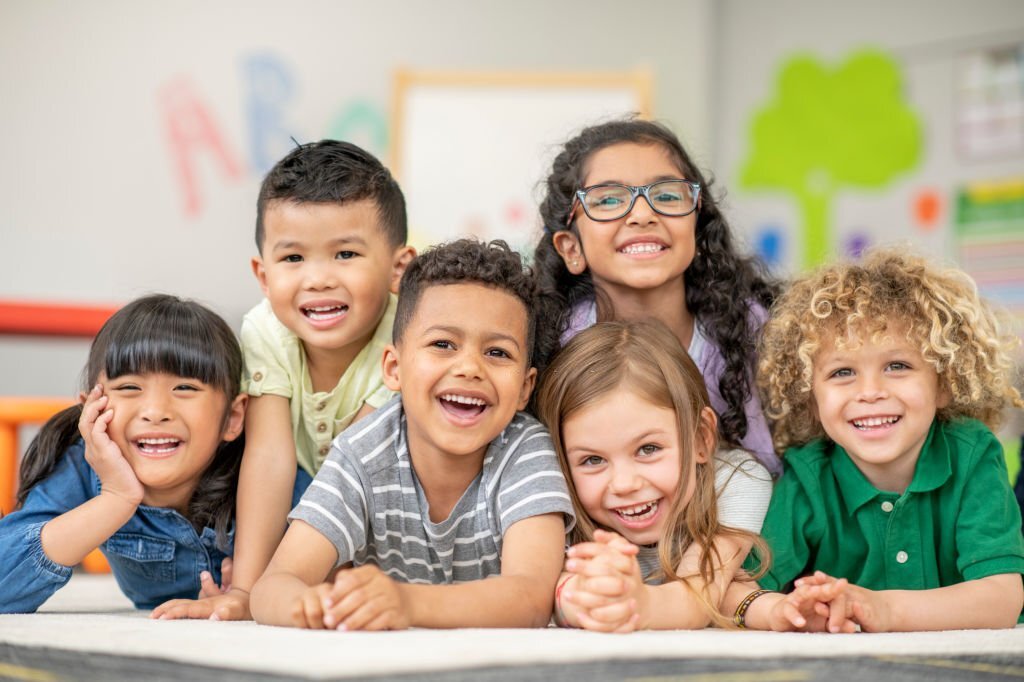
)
(825, 129)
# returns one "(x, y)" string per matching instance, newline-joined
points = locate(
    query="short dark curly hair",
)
(334, 172)
(468, 261)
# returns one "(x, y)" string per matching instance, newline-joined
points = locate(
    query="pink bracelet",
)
(560, 618)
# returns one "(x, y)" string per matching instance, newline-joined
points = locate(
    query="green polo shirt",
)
(958, 519)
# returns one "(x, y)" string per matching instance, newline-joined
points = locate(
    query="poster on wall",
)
(989, 225)
(990, 103)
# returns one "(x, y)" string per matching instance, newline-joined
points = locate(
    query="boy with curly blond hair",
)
(883, 379)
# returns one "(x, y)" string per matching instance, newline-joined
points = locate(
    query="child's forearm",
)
(992, 602)
(274, 598)
(68, 538)
(672, 606)
(264, 500)
(501, 601)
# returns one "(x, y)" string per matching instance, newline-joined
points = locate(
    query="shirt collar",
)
(933, 469)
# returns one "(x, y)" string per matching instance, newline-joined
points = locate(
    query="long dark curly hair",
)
(721, 285)
(158, 333)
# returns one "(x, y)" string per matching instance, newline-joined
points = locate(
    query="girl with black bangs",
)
(145, 467)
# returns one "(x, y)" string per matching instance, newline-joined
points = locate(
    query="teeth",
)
(465, 400)
(645, 247)
(874, 422)
(324, 312)
(158, 441)
(638, 511)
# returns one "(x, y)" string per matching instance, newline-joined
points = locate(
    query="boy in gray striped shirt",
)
(443, 486)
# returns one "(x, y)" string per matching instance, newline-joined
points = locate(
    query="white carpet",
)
(114, 628)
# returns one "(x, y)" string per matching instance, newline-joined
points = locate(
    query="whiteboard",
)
(471, 150)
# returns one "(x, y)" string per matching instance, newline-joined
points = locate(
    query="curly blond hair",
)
(954, 329)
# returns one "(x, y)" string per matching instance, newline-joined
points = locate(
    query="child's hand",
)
(208, 588)
(607, 590)
(233, 604)
(815, 605)
(869, 609)
(102, 454)
(365, 598)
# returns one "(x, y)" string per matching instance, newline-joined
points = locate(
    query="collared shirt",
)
(276, 364)
(956, 521)
(155, 556)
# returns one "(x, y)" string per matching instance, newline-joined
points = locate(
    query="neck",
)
(666, 303)
(327, 365)
(174, 498)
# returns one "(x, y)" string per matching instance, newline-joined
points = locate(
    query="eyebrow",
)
(456, 331)
(658, 178)
(340, 241)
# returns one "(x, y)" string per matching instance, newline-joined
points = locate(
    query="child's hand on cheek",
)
(102, 454)
(365, 598)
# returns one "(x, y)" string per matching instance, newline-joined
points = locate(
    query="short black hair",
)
(334, 172)
(468, 261)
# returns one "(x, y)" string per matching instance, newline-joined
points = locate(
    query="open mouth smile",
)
(875, 423)
(638, 514)
(462, 407)
(642, 248)
(324, 313)
(157, 447)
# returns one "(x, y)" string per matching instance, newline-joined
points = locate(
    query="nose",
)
(467, 364)
(624, 479)
(871, 388)
(319, 276)
(642, 212)
(155, 409)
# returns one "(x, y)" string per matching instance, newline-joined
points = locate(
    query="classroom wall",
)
(135, 134)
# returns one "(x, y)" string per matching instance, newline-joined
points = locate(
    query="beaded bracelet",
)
(740, 618)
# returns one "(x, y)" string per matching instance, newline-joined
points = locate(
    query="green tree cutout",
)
(826, 129)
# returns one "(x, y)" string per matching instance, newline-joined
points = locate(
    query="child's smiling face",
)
(643, 250)
(169, 428)
(624, 459)
(461, 366)
(877, 401)
(327, 270)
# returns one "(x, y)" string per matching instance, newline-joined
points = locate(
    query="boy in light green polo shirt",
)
(883, 379)
(331, 232)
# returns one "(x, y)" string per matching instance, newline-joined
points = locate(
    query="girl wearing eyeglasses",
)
(632, 231)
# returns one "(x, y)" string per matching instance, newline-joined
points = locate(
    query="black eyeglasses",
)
(612, 201)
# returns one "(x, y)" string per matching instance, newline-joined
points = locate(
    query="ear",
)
(236, 418)
(528, 383)
(389, 368)
(260, 272)
(569, 248)
(944, 397)
(399, 262)
(704, 439)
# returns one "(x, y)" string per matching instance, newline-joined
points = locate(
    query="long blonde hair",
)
(644, 357)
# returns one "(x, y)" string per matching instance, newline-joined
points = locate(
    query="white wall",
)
(92, 208)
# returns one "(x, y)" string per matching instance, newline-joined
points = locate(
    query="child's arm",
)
(265, 486)
(992, 602)
(69, 537)
(818, 605)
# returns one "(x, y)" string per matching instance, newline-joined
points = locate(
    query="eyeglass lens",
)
(669, 197)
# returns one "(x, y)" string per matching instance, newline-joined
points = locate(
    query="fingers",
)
(623, 618)
(308, 612)
(364, 598)
(207, 587)
(615, 540)
(227, 568)
(177, 609)
(605, 564)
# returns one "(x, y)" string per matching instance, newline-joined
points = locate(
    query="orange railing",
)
(17, 317)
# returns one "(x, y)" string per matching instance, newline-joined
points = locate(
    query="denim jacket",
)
(157, 555)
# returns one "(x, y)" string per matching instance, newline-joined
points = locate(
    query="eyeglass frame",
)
(635, 191)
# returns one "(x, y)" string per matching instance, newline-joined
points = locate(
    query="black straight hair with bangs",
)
(163, 334)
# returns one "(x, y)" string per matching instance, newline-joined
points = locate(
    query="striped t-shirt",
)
(367, 500)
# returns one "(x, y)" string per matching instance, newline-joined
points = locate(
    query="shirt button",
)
(887, 506)
(257, 376)
(321, 405)
(321, 427)
(324, 450)
(901, 557)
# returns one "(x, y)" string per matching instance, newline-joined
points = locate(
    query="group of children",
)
(375, 455)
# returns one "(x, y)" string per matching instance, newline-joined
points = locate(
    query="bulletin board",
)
(471, 150)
